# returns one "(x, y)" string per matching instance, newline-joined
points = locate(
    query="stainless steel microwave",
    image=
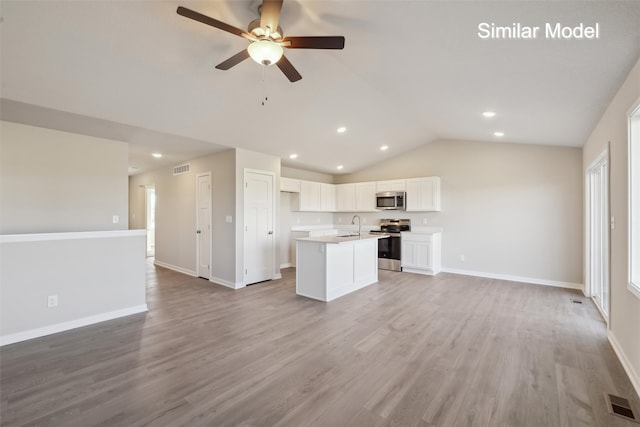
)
(391, 200)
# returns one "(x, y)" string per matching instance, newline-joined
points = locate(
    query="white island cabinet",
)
(329, 267)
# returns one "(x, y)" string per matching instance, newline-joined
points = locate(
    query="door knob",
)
(198, 231)
(271, 232)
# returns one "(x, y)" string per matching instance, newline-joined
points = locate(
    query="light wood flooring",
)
(410, 350)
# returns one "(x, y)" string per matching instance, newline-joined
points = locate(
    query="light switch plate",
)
(116, 219)
(228, 218)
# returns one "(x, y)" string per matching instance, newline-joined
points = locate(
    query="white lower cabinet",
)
(421, 253)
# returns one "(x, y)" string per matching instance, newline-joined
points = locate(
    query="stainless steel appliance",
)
(391, 200)
(389, 249)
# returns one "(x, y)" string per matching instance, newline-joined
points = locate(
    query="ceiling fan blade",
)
(270, 14)
(192, 14)
(288, 69)
(315, 42)
(234, 60)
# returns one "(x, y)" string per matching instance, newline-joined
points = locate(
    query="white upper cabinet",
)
(365, 196)
(346, 197)
(314, 196)
(394, 185)
(327, 197)
(423, 194)
(289, 185)
(309, 196)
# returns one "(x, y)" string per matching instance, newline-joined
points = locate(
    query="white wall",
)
(97, 276)
(290, 172)
(176, 213)
(68, 187)
(53, 181)
(624, 325)
(510, 209)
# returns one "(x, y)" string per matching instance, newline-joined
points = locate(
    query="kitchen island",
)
(329, 267)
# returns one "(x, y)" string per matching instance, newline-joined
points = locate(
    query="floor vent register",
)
(620, 407)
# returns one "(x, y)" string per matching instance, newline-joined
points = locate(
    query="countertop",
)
(343, 239)
(424, 230)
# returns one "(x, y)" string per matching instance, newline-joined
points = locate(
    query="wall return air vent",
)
(179, 170)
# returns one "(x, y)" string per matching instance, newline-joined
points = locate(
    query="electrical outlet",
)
(228, 218)
(52, 301)
(424, 221)
(116, 219)
(462, 258)
(339, 219)
(364, 220)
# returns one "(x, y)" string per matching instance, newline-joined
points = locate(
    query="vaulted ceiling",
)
(411, 72)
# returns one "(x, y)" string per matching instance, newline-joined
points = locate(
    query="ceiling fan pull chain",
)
(264, 90)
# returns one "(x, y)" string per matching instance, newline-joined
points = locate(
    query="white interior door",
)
(598, 271)
(203, 231)
(259, 237)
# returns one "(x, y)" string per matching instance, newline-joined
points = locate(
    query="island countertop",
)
(343, 238)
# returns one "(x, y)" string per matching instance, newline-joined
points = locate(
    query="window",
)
(634, 200)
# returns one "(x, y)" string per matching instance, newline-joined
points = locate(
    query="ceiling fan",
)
(267, 39)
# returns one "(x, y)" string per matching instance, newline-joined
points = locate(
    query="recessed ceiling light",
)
(498, 134)
(157, 155)
(489, 114)
(341, 129)
(339, 167)
(384, 148)
(293, 156)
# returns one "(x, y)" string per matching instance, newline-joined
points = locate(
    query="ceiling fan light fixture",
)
(265, 52)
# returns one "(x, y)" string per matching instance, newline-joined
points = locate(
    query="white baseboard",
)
(531, 280)
(420, 271)
(176, 268)
(286, 265)
(277, 276)
(628, 367)
(72, 324)
(228, 284)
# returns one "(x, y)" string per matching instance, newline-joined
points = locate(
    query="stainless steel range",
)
(389, 250)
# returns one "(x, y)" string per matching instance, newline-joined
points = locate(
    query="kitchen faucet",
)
(353, 221)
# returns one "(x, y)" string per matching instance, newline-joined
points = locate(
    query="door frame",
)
(146, 219)
(198, 235)
(590, 226)
(273, 221)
